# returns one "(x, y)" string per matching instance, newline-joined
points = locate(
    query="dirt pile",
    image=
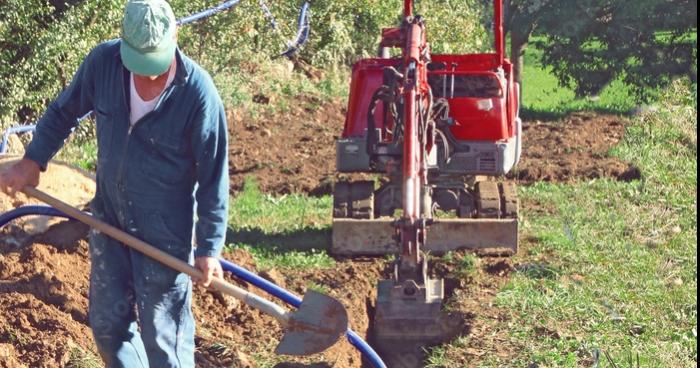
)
(573, 149)
(295, 152)
(43, 306)
(71, 185)
(246, 332)
(289, 152)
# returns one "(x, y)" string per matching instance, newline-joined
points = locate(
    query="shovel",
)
(317, 325)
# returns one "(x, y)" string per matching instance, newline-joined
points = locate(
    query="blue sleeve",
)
(210, 149)
(62, 115)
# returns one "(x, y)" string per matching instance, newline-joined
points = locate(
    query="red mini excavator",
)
(440, 129)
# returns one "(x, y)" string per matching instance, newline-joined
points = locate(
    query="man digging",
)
(162, 146)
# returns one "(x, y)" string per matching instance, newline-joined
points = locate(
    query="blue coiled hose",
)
(238, 271)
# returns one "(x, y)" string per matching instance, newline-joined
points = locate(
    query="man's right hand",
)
(16, 177)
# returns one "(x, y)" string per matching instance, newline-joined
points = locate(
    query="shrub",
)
(42, 42)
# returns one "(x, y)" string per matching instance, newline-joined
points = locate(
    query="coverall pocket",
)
(165, 161)
(105, 130)
(173, 229)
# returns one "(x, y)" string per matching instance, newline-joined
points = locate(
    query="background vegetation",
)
(43, 41)
(590, 43)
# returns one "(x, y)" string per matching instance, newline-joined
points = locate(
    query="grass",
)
(610, 276)
(81, 153)
(465, 264)
(81, 358)
(11, 335)
(290, 231)
(544, 98)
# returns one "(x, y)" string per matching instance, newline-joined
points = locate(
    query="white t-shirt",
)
(139, 107)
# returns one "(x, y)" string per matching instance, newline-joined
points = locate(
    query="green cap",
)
(148, 44)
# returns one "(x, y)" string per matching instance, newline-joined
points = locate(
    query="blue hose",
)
(6, 217)
(208, 13)
(235, 269)
(295, 302)
(13, 130)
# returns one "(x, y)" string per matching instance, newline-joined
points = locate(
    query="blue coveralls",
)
(148, 180)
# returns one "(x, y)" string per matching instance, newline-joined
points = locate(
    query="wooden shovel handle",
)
(217, 283)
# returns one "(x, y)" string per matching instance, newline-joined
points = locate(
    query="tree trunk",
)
(519, 39)
(518, 44)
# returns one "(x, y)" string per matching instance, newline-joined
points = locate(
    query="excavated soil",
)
(573, 149)
(71, 185)
(290, 152)
(295, 152)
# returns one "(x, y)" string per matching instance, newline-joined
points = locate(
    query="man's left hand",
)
(210, 267)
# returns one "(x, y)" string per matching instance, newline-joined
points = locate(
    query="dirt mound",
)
(69, 184)
(573, 149)
(295, 152)
(220, 318)
(43, 305)
(44, 296)
(289, 152)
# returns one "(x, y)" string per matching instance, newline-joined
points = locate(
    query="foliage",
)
(647, 43)
(43, 41)
(41, 44)
(545, 99)
(453, 26)
(589, 44)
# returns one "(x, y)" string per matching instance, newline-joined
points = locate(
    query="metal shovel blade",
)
(317, 325)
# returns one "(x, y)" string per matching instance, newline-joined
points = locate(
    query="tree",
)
(520, 21)
(589, 43)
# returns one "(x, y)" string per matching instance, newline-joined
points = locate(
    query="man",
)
(162, 146)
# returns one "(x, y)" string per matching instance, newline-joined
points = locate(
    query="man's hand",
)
(210, 267)
(23, 173)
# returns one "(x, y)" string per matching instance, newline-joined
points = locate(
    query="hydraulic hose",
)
(238, 271)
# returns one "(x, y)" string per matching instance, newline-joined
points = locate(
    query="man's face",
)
(152, 78)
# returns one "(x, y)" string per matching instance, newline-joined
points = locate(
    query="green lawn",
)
(633, 245)
(544, 98)
(281, 232)
(612, 269)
